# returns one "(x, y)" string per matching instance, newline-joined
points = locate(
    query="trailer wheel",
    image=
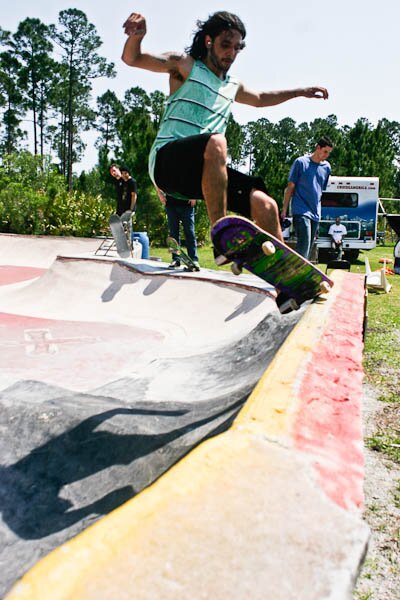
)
(351, 255)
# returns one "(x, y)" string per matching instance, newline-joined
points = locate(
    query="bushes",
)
(25, 211)
(33, 200)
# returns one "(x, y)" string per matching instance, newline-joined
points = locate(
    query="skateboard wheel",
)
(324, 287)
(268, 248)
(288, 306)
(236, 269)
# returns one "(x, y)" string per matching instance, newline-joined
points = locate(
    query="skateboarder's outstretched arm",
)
(177, 64)
(262, 99)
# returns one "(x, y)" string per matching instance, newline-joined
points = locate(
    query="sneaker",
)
(197, 265)
(220, 259)
(174, 265)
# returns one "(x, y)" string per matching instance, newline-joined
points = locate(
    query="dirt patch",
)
(390, 379)
(380, 575)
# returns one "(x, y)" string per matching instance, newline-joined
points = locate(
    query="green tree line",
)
(46, 77)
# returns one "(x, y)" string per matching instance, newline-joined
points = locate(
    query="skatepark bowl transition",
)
(171, 435)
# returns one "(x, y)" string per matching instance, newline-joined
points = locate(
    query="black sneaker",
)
(174, 265)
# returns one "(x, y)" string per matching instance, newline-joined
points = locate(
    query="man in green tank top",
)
(188, 158)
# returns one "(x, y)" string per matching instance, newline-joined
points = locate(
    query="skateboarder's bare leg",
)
(215, 177)
(264, 211)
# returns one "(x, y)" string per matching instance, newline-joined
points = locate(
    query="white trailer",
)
(355, 200)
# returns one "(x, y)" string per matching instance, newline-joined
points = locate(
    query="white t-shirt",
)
(337, 231)
(286, 230)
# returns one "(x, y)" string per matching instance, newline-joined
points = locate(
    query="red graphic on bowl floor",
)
(12, 274)
(73, 354)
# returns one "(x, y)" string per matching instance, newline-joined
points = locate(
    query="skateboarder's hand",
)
(313, 92)
(135, 25)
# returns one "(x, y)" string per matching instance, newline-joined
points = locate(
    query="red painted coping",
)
(328, 422)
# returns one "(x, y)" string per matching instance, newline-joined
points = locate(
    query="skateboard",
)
(121, 231)
(175, 248)
(246, 245)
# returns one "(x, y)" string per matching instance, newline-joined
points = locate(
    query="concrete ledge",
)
(271, 508)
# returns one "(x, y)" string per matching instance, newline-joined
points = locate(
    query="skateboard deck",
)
(120, 228)
(248, 246)
(175, 248)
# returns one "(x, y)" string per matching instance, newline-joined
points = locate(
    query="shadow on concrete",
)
(31, 503)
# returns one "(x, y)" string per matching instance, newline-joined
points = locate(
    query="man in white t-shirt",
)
(337, 232)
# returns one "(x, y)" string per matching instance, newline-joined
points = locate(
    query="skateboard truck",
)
(267, 247)
(287, 304)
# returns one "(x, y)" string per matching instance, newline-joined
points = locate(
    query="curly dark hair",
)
(215, 24)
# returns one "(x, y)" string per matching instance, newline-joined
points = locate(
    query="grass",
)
(381, 362)
(364, 596)
(382, 344)
(383, 339)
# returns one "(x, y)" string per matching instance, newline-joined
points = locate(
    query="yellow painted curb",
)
(274, 399)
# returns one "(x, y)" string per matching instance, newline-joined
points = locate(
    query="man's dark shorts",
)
(179, 169)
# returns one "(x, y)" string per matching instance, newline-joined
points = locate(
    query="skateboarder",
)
(189, 155)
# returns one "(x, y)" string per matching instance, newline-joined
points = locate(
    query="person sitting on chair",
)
(337, 231)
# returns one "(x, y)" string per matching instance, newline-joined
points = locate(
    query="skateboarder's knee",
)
(216, 148)
(260, 201)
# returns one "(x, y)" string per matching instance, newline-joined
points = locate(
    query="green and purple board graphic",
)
(241, 241)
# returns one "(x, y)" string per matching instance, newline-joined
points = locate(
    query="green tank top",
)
(202, 104)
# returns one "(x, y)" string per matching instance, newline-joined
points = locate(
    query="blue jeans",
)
(183, 214)
(306, 230)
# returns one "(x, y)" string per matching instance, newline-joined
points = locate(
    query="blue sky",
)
(349, 46)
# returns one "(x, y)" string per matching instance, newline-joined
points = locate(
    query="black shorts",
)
(179, 169)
